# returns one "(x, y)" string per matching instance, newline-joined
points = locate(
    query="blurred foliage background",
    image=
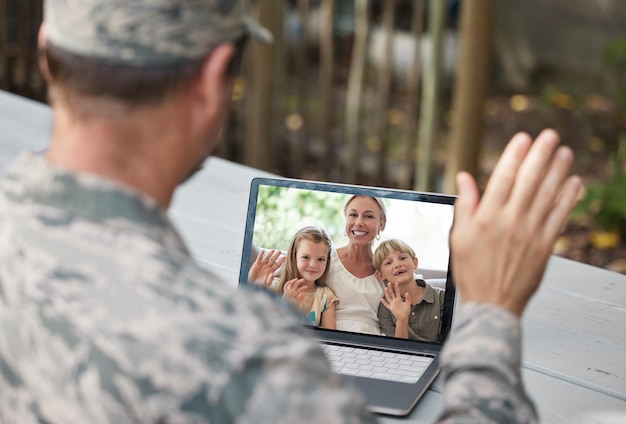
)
(403, 93)
(281, 212)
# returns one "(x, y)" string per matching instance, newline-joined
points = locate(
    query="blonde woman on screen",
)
(352, 275)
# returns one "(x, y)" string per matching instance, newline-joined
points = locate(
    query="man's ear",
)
(43, 62)
(215, 81)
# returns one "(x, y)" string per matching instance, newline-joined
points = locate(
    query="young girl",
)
(302, 279)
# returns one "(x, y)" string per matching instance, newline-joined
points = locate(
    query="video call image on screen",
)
(282, 211)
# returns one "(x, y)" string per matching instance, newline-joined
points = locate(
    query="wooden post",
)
(430, 113)
(355, 87)
(326, 82)
(258, 149)
(276, 142)
(477, 22)
(298, 150)
(37, 83)
(413, 86)
(23, 45)
(384, 86)
(4, 46)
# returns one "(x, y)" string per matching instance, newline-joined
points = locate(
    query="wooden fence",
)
(337, 96)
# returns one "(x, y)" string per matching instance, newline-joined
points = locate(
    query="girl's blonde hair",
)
(290, 269)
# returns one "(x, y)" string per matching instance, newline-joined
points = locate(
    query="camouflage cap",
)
(148, 32)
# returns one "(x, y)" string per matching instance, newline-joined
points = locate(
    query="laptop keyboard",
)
(382, 365)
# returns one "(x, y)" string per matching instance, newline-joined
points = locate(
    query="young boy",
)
(411, 308)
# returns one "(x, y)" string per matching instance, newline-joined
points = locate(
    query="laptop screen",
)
(281, 208)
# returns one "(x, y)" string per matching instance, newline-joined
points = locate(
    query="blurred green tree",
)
(281, 211)
(605, 201)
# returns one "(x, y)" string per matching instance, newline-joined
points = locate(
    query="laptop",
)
(279, 207)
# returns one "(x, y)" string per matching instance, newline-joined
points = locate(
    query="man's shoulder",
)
(192, 280)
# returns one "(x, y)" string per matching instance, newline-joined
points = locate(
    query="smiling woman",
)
(352, 276)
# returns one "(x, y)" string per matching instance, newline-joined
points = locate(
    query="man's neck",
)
(143, 149)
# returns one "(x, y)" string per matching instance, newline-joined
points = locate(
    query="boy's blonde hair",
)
(290, 269)
(387, 247)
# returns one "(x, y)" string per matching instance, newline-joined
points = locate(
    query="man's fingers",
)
(558, 215)
(468, 198)
(501, 247)
(532, 171)
(504, 174)
(538, 207)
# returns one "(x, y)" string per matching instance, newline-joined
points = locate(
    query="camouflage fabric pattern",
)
(105, 318)
(482, 369)
(147, 32)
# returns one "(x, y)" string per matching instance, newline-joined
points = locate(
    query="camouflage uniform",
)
(482, 369)
(105, 317)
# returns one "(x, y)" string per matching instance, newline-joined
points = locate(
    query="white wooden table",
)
(574, 329)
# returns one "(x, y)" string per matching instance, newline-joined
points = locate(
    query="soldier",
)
(105, 317)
